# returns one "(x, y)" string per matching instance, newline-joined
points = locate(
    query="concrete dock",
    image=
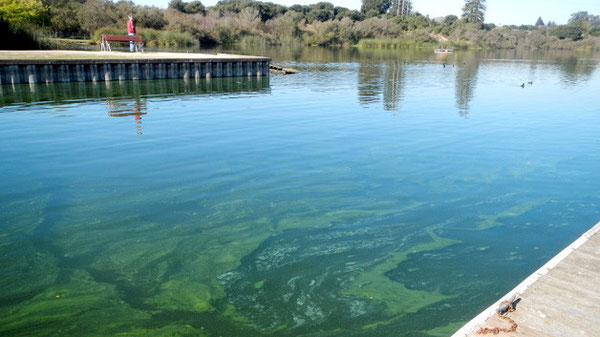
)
(50, 66)
(561, 299)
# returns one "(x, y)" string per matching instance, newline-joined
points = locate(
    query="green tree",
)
(150, 17)
(194, 7)
(299, 9)
(474, 11)
(371, 13)
(539, 22)
(379, 6)
(321, 11)
(568, 32)
(177, 5)
(341, 11)
(583, 16)
(266, 10)
(401, 7)
(412, 21)
(120, 10)
(95, 14)
(63, 17)
(17, 11)
(449, 20)
(588, 24)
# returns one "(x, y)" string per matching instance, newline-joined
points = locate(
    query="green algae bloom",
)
(398, 299)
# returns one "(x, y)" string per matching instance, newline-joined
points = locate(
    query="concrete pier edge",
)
(480, 319)
(20, 69)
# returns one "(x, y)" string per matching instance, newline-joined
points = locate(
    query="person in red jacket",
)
(131, 32)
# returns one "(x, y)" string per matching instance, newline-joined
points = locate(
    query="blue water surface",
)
(375, 193)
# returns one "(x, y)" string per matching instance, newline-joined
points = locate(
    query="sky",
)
(500, 12)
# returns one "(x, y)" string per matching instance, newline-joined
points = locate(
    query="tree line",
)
(378, 23)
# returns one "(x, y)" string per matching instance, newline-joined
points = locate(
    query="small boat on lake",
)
(443, 51)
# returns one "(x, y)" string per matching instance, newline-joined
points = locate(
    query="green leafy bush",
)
(567, 32)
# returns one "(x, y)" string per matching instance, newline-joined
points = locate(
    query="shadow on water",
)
(128, 98)
(69, 92)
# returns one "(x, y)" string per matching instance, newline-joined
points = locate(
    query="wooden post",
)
(197, 71)
(106, 68)
(93, 69)
(208, 72)
(31, 74)
(134, 71)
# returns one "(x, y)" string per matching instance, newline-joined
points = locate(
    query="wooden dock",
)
(50, 66)
(561, 299)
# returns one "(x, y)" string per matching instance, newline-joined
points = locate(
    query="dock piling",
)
(147, 66)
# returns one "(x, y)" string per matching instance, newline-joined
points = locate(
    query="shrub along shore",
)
(40, 23)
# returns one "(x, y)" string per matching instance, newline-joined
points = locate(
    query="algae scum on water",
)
(301, 274)
(357, 273)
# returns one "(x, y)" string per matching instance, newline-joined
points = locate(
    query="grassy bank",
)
(62, 42)
(152, 37)
(591, 44)
(408, 44)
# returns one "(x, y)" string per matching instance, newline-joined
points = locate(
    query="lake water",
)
(376, 193)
